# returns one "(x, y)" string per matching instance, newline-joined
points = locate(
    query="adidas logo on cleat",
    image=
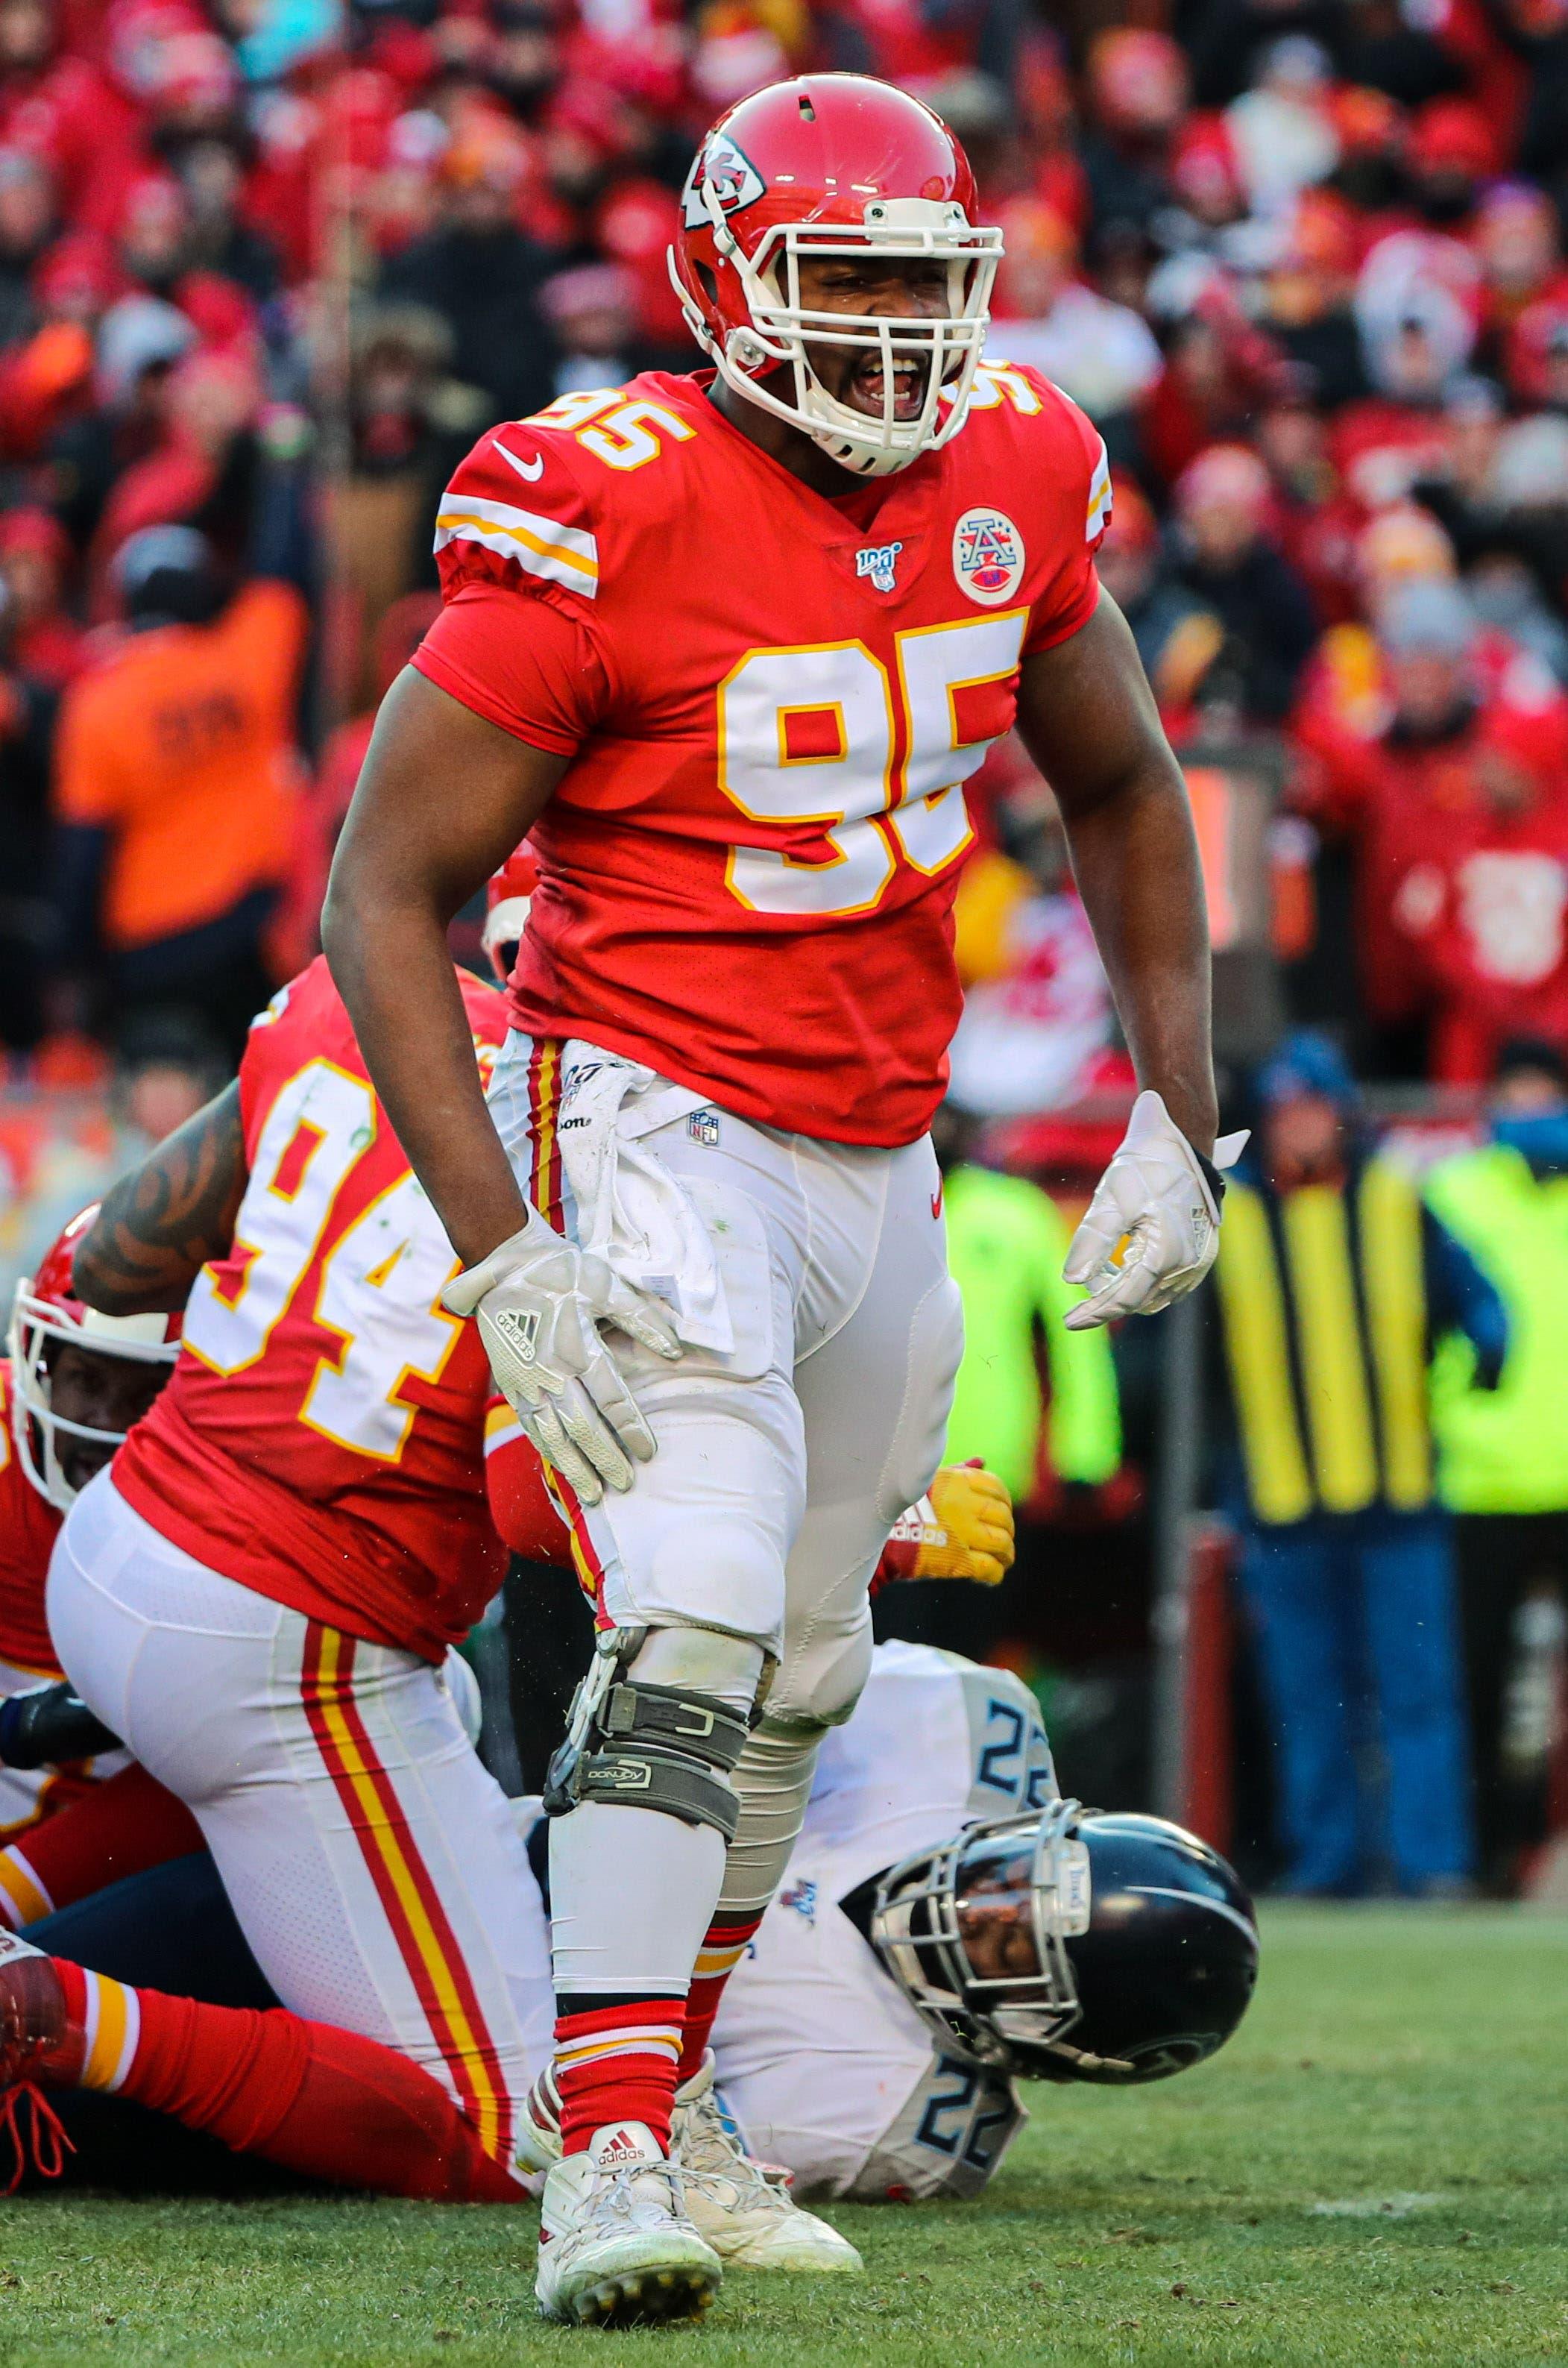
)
(621, 2148)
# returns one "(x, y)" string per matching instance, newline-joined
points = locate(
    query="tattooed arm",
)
(160, 1225)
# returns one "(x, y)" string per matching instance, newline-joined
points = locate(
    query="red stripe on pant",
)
(544, 1099)
(387, 1844)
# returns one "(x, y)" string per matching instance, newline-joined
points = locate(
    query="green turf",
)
(1414, 2060)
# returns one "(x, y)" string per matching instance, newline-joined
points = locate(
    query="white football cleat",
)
(615, 2245)
(742, 2206)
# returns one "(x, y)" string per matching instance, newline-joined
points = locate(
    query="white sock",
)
(631, 1894)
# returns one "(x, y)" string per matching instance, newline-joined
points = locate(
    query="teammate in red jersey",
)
(257, 1599)
(728, 648)
(70, 1389)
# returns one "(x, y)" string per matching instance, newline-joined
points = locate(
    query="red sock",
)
(119, 1827)
(724, 1946)
(316, 2100)
(617, 2064)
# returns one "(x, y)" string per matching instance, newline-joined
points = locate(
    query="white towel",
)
(631, 1210)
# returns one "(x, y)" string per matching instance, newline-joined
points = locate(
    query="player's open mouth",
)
(864, 389)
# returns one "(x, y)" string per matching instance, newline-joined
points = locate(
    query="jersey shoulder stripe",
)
(542, 546)
(1099, 497)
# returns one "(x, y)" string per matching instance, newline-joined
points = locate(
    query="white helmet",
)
(46, 1308)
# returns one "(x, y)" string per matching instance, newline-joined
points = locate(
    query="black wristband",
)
(1211, 1176)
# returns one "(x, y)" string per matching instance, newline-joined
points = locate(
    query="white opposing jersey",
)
(820, 2059)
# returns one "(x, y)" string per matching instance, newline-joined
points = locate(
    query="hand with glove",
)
(539, 1302)
(1151, 1231)
(964, 1529)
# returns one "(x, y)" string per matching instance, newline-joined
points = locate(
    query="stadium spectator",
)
(1230, 567)
(479, 270)
(1464, 759)
(1103, 354)
(1503, 1454)
(43, 639)
(174, 787)
(1179, 639)
(27, 224)
(1334, 1282)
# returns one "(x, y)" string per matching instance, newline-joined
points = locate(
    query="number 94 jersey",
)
(821, 2057)
(322, 1438)
(769, 701)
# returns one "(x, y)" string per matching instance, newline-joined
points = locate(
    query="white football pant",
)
(373, 1864)
(782, 1463)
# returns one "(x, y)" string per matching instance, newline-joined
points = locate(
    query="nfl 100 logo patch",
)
(988, 557)
(879, 562)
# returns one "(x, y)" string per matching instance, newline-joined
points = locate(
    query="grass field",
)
(1375, 2171)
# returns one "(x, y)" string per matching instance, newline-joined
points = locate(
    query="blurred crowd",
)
(268, 266)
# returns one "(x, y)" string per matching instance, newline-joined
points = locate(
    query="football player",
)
(1025, 1937)
(71, 1385)
(259, 1599)
(727, 646)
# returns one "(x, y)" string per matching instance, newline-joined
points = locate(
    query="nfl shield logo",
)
(878, 562)
(988, 557)
(703, 1127)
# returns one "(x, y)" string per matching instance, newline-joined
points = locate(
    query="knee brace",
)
(647, 1747)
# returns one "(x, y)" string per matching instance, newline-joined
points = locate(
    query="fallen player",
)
(949, 1927)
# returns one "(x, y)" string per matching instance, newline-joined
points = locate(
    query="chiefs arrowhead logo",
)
(729, 172)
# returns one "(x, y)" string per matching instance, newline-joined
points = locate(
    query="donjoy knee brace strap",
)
(667, 1747)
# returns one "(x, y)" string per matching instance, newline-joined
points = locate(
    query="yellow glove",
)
(962, 1530)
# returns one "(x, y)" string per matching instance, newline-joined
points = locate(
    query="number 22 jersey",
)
(321, 1439)
(821, 2057)
(769, 702)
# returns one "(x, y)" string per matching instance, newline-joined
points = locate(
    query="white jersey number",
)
(379, 1285)
(821, 736)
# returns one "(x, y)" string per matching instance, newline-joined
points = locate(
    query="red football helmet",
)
(46, 1308)
(507, 899)
(834, 165)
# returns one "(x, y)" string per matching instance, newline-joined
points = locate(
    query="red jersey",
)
(770, 702)
(1485, 903)
(28, 1527)
(321, 1439)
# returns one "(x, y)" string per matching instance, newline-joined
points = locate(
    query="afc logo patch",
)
(878, 562)
(988, 557)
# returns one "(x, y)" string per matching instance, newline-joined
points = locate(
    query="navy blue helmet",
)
(1071, 1944)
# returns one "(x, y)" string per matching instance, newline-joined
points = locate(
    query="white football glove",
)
(538, 1302)
(1151, 1231)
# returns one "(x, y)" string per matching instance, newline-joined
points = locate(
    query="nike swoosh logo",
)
(531, 469)
(937, 1201)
